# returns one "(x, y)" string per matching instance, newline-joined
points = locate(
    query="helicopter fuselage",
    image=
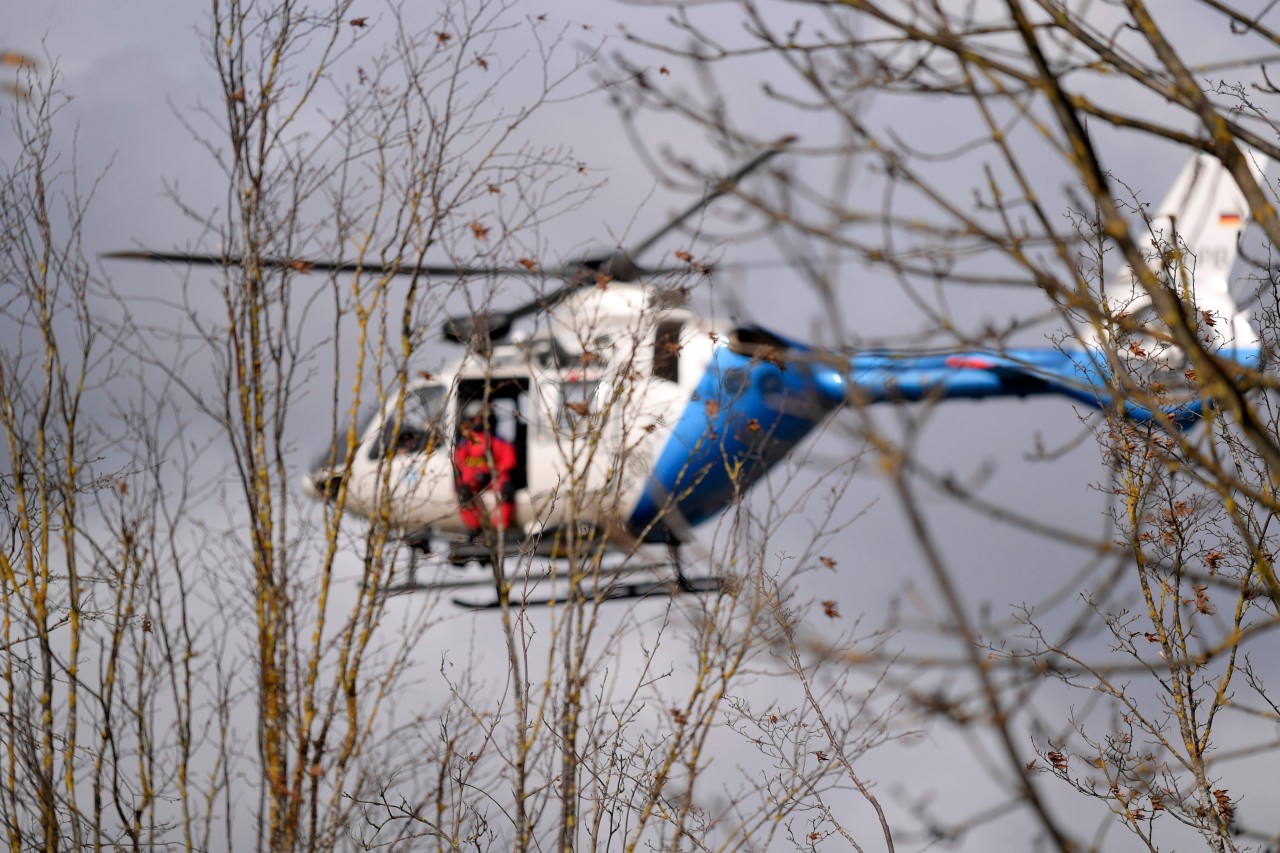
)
(633, 414)
(650, 421)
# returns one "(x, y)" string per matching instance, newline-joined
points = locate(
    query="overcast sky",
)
(132, 68)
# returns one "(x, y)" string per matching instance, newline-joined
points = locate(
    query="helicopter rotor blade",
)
(493, 325)
(618, 266)
(305, 265)
(721, 187)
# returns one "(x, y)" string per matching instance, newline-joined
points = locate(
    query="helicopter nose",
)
(322, 484)
(323, 480)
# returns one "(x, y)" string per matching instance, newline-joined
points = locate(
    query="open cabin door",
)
(506, 400)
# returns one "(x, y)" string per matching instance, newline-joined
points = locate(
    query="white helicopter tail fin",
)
(1203, 215)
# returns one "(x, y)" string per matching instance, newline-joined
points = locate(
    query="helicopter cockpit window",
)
(419, 430)
(666, 350)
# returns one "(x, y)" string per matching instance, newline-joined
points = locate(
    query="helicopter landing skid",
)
(466, 552)
(534, 587)
(454, 581)
(618, 590)
(540, 588)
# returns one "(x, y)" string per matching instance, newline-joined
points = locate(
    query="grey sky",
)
(130, 65)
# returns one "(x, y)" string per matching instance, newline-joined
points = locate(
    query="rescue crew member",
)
(482, 461)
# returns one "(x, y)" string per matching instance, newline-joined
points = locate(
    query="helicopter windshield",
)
(419, 430)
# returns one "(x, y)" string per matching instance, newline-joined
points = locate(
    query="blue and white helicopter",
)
(634, 419)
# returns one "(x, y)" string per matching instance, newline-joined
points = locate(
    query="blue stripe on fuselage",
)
(748, 413)
(896, 377)
(745, 415)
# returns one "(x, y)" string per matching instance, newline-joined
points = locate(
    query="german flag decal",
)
(1229, 220)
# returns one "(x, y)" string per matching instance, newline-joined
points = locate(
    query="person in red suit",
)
(481, 461)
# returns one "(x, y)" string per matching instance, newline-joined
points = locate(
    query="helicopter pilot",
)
(483, 460)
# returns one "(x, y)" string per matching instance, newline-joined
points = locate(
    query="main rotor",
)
(483, 328)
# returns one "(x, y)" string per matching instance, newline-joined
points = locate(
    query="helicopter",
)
(634, 419)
